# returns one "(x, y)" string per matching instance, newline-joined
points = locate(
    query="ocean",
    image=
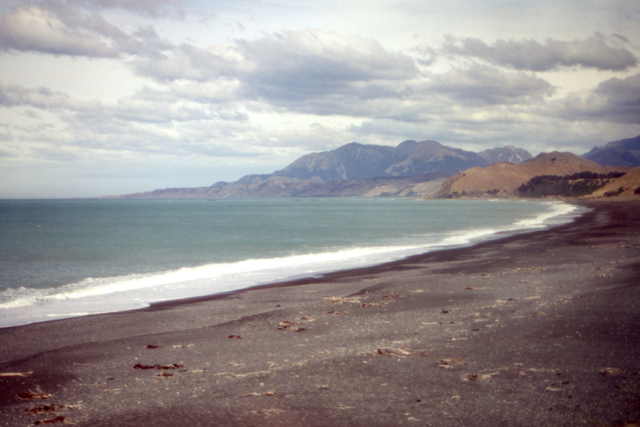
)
(66, 258)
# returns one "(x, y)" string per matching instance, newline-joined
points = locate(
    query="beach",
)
(528, 330)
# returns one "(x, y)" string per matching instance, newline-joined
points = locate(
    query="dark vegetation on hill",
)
(575, 185)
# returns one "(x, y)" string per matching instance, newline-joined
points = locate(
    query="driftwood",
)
(172, 366)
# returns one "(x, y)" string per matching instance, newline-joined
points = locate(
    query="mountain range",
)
(509, 154)
(625, 152)
(409, 158)
(412, 168)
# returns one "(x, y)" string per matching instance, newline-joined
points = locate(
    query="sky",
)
(107, 97)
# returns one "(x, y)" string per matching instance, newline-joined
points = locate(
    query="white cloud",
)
(124, 86)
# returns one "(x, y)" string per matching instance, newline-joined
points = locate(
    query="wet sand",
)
(530, 330)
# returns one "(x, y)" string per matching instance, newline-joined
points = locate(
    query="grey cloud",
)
(15, 95)
(158, 113)
(62, 30)
(323, 73)
(145, 109)
(36, 29)
(285, 65)
(152, 7)
(614, 100)
(550, 55)
(624, 92)
(311, 71)
(148, 42)
(489, 85)
(5, 136)
(311, 63)
(187, 62)
(426, 55)
(33, 114)
(144, 7)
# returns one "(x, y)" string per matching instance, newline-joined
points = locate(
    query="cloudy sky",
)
(103, 97)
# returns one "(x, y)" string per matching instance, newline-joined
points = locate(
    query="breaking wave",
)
(110, 294)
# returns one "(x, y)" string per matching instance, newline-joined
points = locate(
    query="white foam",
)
(100, 295)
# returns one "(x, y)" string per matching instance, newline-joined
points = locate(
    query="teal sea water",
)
(64, 258)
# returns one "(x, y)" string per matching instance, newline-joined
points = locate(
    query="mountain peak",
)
(508, 153)
(407, 145)
(356, 160)
(625, 152)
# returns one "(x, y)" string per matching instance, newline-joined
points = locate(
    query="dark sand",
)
(541, 329)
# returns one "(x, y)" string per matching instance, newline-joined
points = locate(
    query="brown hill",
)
(504, 178)
(628, 183)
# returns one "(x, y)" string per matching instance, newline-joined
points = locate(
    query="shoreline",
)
(370, 269)
(530, 329)
(22, 310)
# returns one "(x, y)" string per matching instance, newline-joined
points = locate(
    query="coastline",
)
(530, 329)
(176, 276)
